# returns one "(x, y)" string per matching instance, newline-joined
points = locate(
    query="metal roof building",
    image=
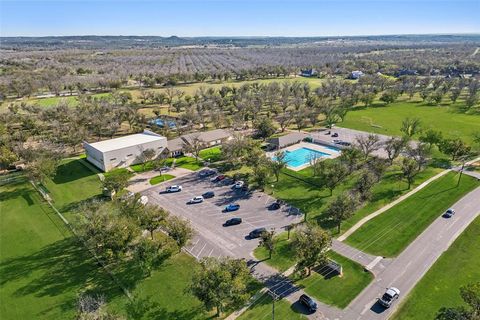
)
(124, 151)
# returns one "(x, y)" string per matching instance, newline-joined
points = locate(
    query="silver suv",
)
(389, 296)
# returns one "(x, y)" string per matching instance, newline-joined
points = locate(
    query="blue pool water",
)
(302, 156)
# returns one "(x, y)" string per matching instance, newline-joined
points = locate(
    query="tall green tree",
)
(341, 208)
(311, 244)
(278, 164)
(221, 283)
(180, 231)
(267, 241)
(152, 218)
(411, 126)
(470, 294)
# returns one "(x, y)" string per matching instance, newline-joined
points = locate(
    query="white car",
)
(197, 199)
(174, 188)
(238, 185)
(389, 296)
(143, 200)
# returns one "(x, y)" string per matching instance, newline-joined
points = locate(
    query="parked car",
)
(208, 194)
(308, 302)
(449, 213)
(232, 222)
(335, 135)
(206, 172)
(256, 233)
(238, 185)
(275, 205)
(232, 207)
(143, 200)
(197, 199)
(174, 188)
(389, 296)
(218, 178)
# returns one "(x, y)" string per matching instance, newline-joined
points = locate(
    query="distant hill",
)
(119, 42)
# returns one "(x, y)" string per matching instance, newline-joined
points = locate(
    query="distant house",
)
(308, 73)
(406, 72)
(124, 151)
(211, 138)
(356, 75)
(287, 140)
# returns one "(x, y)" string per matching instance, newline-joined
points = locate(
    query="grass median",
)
(389, 233)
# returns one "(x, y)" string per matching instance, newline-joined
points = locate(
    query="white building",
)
(124, 151)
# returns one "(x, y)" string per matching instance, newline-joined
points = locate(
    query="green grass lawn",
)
(118, 171)
(337, 291)
(440, 287)
(42, 269)
(182, 162)
(389, 233)
(162, 178)
(213, 154)
(186, 163)
(262, 310)
(74, 182)
(450, 119)
(304, 194)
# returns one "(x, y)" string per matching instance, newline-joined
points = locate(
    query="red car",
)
(218, 178)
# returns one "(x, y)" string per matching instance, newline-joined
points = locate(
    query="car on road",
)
(256, 233)
(218, 178)
(174, 188)
(238, 185)
(308, 302)
(449, 213)
(232, 222)
(389, 297)
(197, 199)
(232, 207)
(208, 194)
(335, 135)
(206, 172)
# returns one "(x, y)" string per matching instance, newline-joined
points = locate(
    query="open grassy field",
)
(42, 269)
(74, 182)
(337, 291)
(262, 310)
(389, 233)
(213, 154)
(440, 287)
(448, 118)
(303, 193)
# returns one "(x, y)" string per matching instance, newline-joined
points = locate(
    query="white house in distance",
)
(124, 151)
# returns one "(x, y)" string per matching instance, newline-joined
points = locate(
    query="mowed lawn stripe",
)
(388, 234)
(440, 287)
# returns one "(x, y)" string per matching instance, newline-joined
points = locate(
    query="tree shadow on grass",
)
(70, 171)
(61, 268)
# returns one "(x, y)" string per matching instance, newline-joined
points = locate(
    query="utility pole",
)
(464, 159)
(274, 297)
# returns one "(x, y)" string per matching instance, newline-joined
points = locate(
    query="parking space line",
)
(202, 249)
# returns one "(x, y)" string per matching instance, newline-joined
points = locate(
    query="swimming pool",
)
(302, 156)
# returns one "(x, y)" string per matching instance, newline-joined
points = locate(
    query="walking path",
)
(388, 206)
(405, 196)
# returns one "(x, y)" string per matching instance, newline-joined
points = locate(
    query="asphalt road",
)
(207, 218)
(410, 266)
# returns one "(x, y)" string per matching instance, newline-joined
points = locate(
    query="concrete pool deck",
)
(331, 154)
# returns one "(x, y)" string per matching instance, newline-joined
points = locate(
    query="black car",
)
(335, 135)
(232, 222)
(208, 194)
(308, 302)
(276, 205)
(256, 233)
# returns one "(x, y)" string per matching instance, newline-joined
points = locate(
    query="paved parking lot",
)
(212, 239)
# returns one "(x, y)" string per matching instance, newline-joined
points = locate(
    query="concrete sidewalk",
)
(141, 181)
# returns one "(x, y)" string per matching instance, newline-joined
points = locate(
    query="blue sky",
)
(238, 18)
